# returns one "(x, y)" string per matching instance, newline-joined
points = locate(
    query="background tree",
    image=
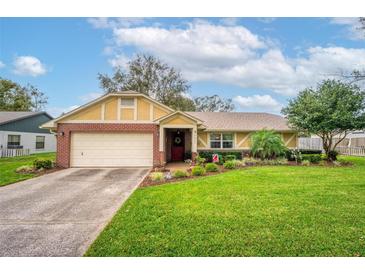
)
(149, 75)
(213, 103)
(331, 111)
(14, 97)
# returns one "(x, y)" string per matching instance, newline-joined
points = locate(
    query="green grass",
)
(258, 211)
(9, 165)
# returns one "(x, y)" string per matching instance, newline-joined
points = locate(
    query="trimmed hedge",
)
(310, 151)
(222, 155)
(313, 158)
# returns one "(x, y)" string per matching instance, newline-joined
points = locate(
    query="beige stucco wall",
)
(110, 112)
(243, 140)
(143, 109)
(159, 112)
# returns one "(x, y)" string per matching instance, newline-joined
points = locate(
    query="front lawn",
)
(258, 211)
(9, 165)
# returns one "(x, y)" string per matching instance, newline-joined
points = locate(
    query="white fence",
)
(13, 152)
(354, 151)
(310, 143)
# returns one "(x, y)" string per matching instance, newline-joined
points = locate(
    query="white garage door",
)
(111, 149)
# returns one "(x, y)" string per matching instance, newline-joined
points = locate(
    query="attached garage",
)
(92, 149)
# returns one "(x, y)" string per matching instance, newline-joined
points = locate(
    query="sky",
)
(260, 63)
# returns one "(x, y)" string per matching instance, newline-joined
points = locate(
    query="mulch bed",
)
(148, 182)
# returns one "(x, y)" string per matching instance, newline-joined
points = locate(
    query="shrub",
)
(282, 161)
(211, 167)
(24, 169)
(222, 154)
(229, 165)
(200, 160)
(187, 155)
(332, 155)
(42, 163)
(239, 163)
(267, 144)
(229, 157)
(294, 155)
(306, 163)
(313, 158)
(250, 161)
(198, 171)
(180, 174)
(157, 176)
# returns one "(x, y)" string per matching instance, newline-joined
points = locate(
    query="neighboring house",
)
(132, 129)
(20, 130)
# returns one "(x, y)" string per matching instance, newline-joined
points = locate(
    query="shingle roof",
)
(9, 116)
(245, 121)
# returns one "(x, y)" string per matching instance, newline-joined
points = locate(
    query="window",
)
(39, 142)
(13, 141)
(127, 102)
(221, 140)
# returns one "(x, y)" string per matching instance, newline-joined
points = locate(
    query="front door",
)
(178, 146)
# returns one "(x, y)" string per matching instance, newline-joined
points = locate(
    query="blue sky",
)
(259, 62)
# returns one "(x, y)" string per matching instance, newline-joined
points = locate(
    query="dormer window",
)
(127, 102)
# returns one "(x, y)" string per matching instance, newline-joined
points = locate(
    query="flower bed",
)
(163, 176)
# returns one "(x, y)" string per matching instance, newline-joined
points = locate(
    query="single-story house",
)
(131, 129)
(21, 130)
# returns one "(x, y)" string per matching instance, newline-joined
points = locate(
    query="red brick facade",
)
(65, 130)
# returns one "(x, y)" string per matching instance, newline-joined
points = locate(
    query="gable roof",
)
(241, 121)
(12, 116)
(185, 114)
(52, 124)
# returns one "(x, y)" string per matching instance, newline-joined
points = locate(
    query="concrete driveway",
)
(60, 214)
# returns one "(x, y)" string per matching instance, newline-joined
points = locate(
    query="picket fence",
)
(13, 152)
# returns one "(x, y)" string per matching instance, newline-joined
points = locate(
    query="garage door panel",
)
(111, 149)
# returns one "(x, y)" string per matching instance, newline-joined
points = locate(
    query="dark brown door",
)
(178, 146)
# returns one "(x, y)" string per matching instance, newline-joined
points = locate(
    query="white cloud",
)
(265, 102)
(90, 96)
(105, 23)
(29, 65)
(120, 60)
(234, 55)
(1, 64)
(353, 27)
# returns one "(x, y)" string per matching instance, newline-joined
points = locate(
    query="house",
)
(20, 130)
(132, 129)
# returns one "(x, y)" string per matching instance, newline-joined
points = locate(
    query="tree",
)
(331, 111)
(149, 75)
(267, 144)
(213, 103)
(14, 97)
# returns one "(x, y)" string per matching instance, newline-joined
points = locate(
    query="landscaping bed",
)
(167, 176)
